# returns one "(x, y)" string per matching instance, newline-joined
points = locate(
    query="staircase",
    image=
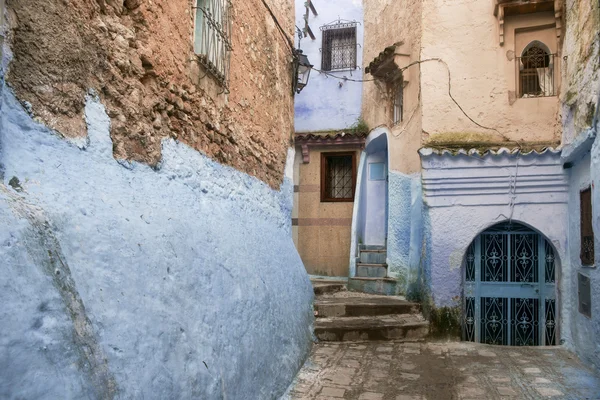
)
(347, 316)
(372, 272)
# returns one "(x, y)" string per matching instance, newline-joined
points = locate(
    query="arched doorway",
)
(510, 288)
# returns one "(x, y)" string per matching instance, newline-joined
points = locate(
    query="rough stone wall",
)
(581, 77)
(388, 22)
(579, 97)
(139, 57)
(122, 281)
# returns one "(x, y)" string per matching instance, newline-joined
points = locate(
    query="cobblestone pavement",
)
(432, 371)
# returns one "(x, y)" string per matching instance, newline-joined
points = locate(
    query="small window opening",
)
(398, 101)
(536, 72)
(212, 37)
(587, 232)
(339, 47)
(338, 176)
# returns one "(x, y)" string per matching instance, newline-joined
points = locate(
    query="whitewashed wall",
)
(328, 103)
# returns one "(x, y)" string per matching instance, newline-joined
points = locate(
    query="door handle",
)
(527, 284)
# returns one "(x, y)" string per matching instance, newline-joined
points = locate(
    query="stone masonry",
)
(138, 56)
(440, 371)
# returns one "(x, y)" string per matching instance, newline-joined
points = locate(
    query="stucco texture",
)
(579, 96)
(323, 228)
(388, 22)
(329, 102)
(464, 195)
(483, 74)
(123, 281)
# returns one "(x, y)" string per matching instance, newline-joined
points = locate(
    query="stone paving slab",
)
(439, 371)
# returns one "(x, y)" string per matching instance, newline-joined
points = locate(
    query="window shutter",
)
(587, 232)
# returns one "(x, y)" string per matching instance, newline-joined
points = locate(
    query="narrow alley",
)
(405, 364)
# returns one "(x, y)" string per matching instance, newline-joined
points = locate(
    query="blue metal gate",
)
(509, 291)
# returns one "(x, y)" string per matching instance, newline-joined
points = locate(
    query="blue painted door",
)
(510, 289)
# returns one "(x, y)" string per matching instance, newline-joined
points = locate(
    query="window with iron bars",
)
(212, 37)
(536, 73)
(338, 176)
(587, 232)
(339, 47)
(397, 100)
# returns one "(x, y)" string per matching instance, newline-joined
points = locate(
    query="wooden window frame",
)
(586, 229)
(324, 157)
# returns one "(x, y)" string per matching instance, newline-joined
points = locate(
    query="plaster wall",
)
(483, 75)
(474, 193)
(323, 227)
(328, 103)
(386, 23)
(579, 97)
(583, 332)
(123, 281)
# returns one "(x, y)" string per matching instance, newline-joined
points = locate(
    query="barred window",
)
(339, 46)
(536, 71)
(587, 232)
(397, 100)
(338, 176)
(212, 37)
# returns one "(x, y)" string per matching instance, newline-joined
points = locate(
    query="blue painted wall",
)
(405, 229)
(328, 103)
(123, 281)
(580, 332)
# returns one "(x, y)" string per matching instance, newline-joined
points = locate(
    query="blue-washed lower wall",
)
(580, 332)
(405, 230)
(119, 280)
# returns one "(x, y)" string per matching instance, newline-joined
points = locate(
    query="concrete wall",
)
(328, 103)
(123, 281)
(323, 238)
(579, 98)
(483, 74)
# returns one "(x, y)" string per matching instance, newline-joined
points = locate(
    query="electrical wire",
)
(283, 33)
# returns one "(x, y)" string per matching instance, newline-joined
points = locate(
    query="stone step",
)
(383, 286)
(373, 256)
(391, 327)
(363, 306)
(325, 287)
(363, 247)
(374, 270)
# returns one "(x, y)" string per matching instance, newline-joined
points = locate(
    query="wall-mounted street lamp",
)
(302, 68)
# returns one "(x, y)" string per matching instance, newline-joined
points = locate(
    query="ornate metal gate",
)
(510, 296)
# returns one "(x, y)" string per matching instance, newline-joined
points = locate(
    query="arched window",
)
(536, 71)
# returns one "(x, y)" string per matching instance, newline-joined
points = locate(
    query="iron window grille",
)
(587, 232)
(535, 77)
(212, 38)
(397, 101)
(339, 46)
(338, 177)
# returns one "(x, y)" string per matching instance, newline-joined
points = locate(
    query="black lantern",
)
(303, 67)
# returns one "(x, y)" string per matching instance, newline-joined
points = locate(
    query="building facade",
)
(145, 200)
(484, 117)
(329, 133)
